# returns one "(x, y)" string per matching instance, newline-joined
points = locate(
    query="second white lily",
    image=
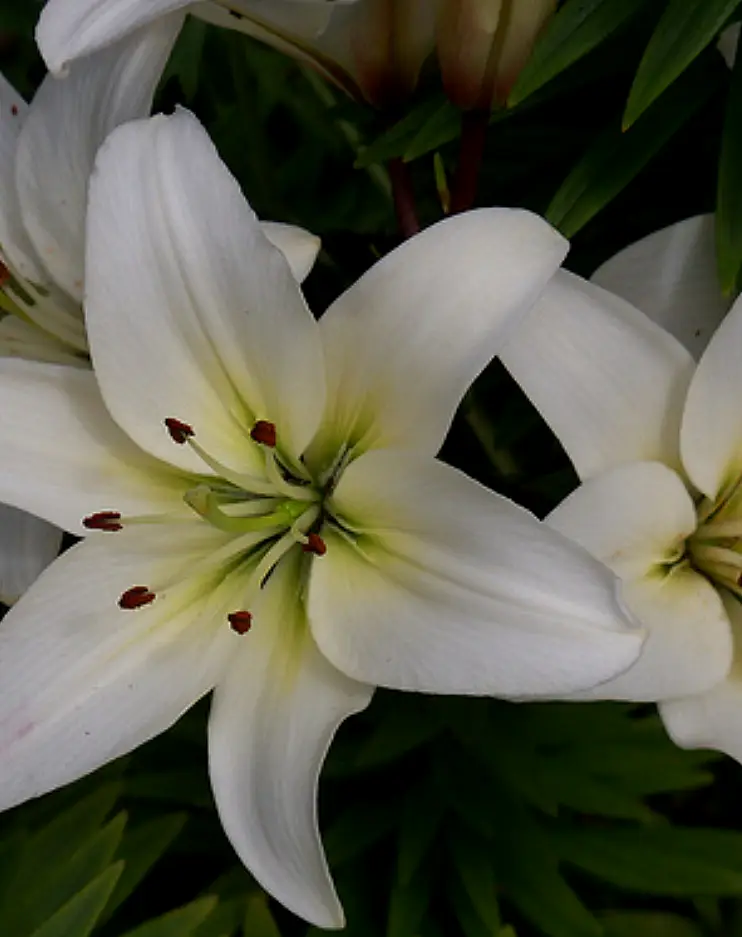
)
(270, 519)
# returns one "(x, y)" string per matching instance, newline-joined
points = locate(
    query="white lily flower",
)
(272, 520)
(372, 49)
(47, 151)
(657, 443)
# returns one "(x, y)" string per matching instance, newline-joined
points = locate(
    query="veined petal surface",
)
(405, 342)
(85, 681)
(183, 285)
(671, 276)
(711, 434)
(609, 382)
(273, 717)
(63, 457)
(66, 124)
(27, 546)
(711, 719)
(450, 588)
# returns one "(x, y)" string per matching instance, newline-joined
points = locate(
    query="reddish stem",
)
(404, 198)
(471, 153)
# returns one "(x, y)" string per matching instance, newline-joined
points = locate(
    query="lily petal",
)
(609, 382)
(635, 519)
(298, 246)
(182, 283)
(272, 721)
(711, 719)
(84, 681)
(27, 546)
(711, 433)
(14, 242)
(64, 457)
(66, 124)
(446, 587)
(405, 342)
(671, 276)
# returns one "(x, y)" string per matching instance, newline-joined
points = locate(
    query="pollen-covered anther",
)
(103, 520)
(240, 622)
(315, 544)
(179, 432)
(136, 597)
(264, 433)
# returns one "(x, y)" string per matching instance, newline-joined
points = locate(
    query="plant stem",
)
(471, 152)
(404, 198)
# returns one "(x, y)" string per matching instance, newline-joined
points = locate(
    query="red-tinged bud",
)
(103, 520)
(136, 597)
(179, 432)
(264, 433)
(240, 622)
(315, 544)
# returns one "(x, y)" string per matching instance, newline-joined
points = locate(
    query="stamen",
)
(240, 622)
(264, 433)
(315, 544)
(179, 432)
(205, 503)
(103, 520)
(136, 597)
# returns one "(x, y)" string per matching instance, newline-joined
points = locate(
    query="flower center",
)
(715, 548)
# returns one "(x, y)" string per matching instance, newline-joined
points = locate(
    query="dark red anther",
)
(136, 597)
(179, 432)
(103, 520)
(14, 110)
(240, 622)
(264, 433)
(5, 276)
(315, 544)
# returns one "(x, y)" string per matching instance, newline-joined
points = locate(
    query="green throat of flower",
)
(715, 548)
(266, 517)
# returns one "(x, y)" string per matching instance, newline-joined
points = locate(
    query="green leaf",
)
(408, 904)
(578, 28)
(617, 157)
(648, 924)
(185, 60)
(140, 848)
(179, 923)
(420, 821)
(78, 917)
(259, 921)
(359, 826)
(472, 858)
(684, 30)
(659, 861)
(394, 141)
(728, 202)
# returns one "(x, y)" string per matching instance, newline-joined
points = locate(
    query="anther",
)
(240, 622)
(264, 433)
(103, 520)
(136, 597)
(179, 432)
(315, 544)
(5, 276)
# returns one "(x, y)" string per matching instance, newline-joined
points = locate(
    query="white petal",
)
(272, 721)
(608, 381)
(185, 291)
(671, 276)
(69, 29)
(67, 122)
(711, 434)
(406, 341)
(27, 547)
(712, 719)
(635, 519)
(14, 242)
(451, 588)
(84, 681)
(299, 247)
(63, 457)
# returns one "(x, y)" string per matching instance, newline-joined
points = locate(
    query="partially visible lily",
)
(657, 442)
(266, 515)
(47, 150)
(484, 44)
(372, 49)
